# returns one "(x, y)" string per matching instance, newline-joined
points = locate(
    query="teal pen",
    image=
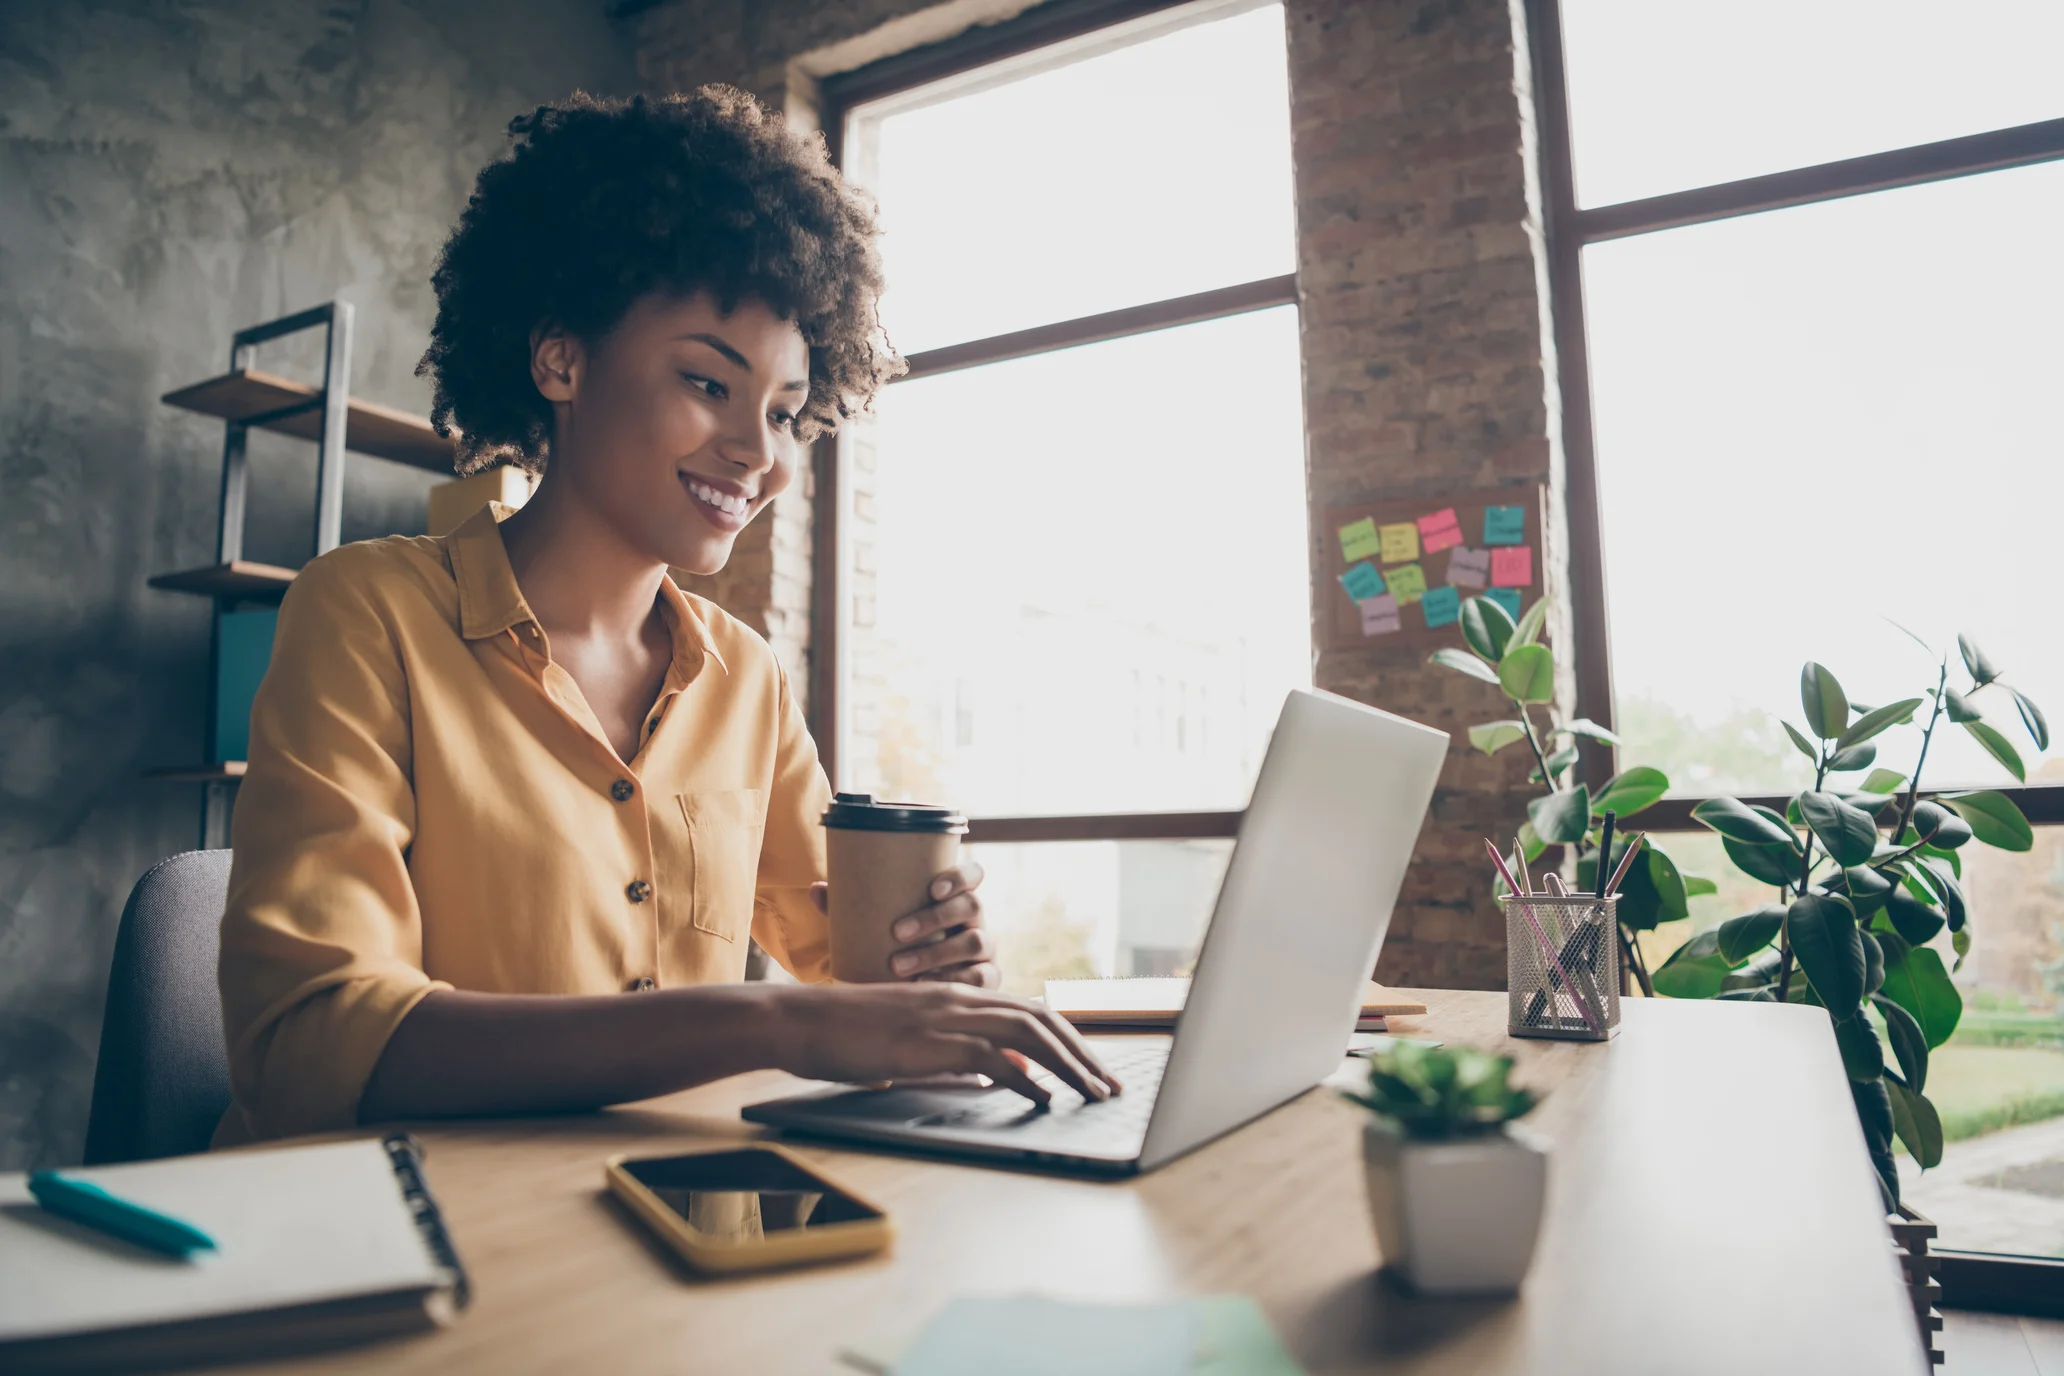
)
(87, 1203)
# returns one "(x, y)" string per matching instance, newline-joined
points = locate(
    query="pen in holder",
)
(1562, 965)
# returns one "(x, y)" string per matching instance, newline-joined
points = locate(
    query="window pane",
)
(1812, 423)
(1156, 170)
(1079, 578)
(1665, 96)
(1084, 909)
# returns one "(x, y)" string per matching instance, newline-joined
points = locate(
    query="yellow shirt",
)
(431, 805)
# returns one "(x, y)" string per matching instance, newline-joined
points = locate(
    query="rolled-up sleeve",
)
(786, 922)
(322, 943)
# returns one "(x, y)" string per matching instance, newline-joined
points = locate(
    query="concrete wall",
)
(167, 174)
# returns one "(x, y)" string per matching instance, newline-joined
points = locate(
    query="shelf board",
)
(199, 773)
(369, 427)
(237, 578)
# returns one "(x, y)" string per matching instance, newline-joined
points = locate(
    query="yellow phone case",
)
(733, 1240)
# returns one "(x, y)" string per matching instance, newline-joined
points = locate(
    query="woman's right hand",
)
(864, 1032)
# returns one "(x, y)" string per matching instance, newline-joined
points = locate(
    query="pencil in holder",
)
(1562, 966)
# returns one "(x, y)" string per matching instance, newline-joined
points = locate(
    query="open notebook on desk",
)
(315, 1246)
(1138, 1004)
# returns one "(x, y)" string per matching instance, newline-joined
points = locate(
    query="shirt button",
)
(637, 891)
(639, 986)
(622, 790)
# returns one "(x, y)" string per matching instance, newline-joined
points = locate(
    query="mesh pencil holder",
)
(1575, 994)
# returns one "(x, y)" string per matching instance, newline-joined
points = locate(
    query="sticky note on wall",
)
(1508, 598)
(1407, 584)
(1358, 540)
(1512, 567)
(1380, 615)
(1400, 543)
(1362, 581)
(1469, 568)
(1439, 531)
(1442, 606)
(1504, 525)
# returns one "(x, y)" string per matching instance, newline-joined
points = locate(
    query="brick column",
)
(1428, 369)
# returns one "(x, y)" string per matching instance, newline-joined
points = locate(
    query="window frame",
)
(1970, 1280)
(1053, 23)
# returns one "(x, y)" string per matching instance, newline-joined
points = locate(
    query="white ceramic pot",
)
(1456, 1217)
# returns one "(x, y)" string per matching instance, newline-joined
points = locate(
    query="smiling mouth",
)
(725, 510)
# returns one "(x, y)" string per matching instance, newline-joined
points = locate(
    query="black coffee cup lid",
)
(860, 812)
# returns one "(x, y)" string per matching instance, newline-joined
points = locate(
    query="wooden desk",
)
(1711, 1209)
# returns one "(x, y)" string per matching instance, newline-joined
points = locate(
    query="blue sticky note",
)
(1028, 1336)
(1362, 581)
(1508, 598)
(1442, 606)
(1504, 525)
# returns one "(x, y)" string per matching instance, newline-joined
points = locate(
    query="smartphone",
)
(747, 1208)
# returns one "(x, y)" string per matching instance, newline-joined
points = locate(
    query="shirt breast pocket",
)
(724, 830)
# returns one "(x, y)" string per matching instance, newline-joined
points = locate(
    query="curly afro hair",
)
(604, 201)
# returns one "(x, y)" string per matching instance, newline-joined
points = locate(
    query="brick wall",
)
(1427, 361)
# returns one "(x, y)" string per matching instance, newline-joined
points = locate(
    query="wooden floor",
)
(2001, 1345)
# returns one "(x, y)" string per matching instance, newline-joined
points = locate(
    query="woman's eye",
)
(707, 385)
(782, 420)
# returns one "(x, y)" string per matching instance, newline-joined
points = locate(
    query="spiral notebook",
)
(315, 1246)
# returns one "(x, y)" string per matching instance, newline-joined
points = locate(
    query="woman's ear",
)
(556, 359)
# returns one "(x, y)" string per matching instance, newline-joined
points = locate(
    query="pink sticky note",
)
(1512, 566)
(1468, 568)
(1434, 541)
(1441, 520)
(1380, 615)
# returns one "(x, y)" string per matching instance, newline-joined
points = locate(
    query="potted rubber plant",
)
(1456, 1184)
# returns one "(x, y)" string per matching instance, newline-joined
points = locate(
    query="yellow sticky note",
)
(1407, 584)
(1400, 543)
(1359, 540)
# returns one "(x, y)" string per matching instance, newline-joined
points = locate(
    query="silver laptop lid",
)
(1300, 917)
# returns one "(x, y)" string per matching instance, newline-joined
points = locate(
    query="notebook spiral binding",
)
(406, 1154)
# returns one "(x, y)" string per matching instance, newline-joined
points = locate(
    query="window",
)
(1817, 396)
(1071, 566)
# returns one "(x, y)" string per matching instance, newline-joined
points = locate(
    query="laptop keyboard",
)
(1138, 1068)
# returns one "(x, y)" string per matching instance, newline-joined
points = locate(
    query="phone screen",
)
(741, 1196)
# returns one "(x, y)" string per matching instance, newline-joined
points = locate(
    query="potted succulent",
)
(1455, 1185)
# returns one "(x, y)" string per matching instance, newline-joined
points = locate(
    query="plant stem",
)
(1913, 791)
(1784, 931)
(1527, 723)
(1632, 948)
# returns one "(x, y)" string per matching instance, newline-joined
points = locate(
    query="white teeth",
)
(722, 501)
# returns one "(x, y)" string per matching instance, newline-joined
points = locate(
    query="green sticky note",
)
(1238, 1340)
(1028, 1336)
(1504, 525)
(1362, 581)
(1360, 540)
(1442, 606)
(1407, 584)
(1508, 598)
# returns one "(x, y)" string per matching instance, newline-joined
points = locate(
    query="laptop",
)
(1299, 921)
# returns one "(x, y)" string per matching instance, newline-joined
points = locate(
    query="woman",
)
(515, 802)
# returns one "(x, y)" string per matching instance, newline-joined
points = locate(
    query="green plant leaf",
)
(1463, 662)
(1882, 781)
(1694, 970)
(1487, 627)
(1909, 1047)
(1847, 832)
(1530, 622)
(1528, 673)
(1734, 819)
(1960, 942)
(1829, 949)
(1806, 747)
(1631, 790)
(1999, 747)
(1530, 844)
(1867, 888)
(1559, 761)
(1873, 963)
(1982, 670)
(1994, 819)
(1669, 886)
(2032, 718)
(1912, 919)
(1493, 736)
(1863, 1056)
(1853, 758)
(1877, 720)
(1959, 707)
(1589, 729)
(1738, 938)
(1938, 826)
(1770, 864)
(1561, 818)
(1874, 1114)
(1916, 981)
(1915, 1120)
(1827, 708)
(1697, 884)
(1947, 891)
(1949, 857)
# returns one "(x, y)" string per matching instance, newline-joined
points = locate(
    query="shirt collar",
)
(490, 602)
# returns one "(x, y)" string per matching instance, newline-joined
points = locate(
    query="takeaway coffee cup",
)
(883, 858)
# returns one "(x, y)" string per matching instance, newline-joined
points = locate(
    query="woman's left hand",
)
(966, 956)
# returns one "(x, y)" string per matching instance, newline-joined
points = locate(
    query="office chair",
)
(162, 1080)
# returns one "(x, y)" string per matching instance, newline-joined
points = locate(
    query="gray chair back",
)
(162, 1081)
